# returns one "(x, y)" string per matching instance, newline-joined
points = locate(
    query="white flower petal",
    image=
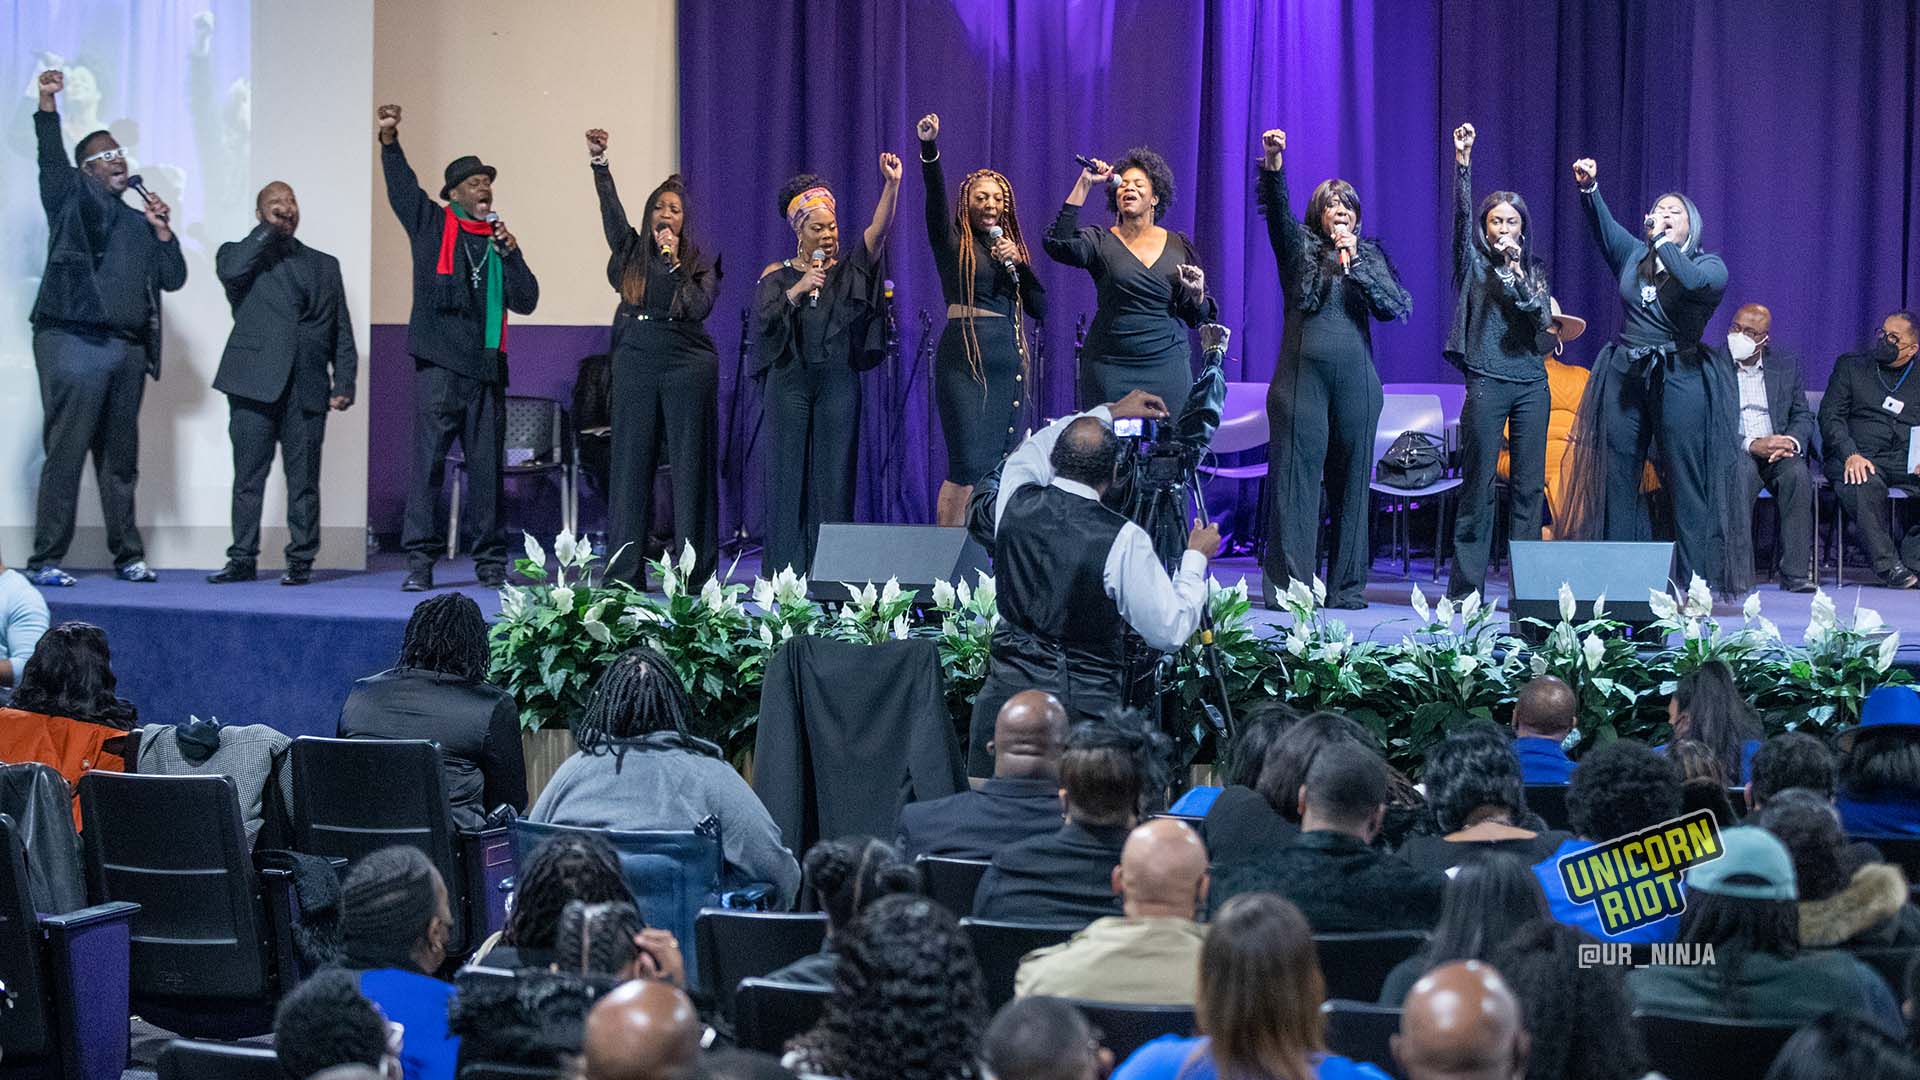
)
(1821, 615)
(892, 592)
(1889, 645)
(563, 548)
(535, 551)
(1600, 605)
(1751, 609)
(1470, 606)
(711, 594)
(1566, 602)
(1665, 607)
(763, 593)
(1420, 608)
(1699, 598)
(598, 631)
(1300, 595)
(1319, 590)
(1866, 621)
(944, 594)
(1465, 663)
(562, 597)
(1443, 612)
(1593, 650)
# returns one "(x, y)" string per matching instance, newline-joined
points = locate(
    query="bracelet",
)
(597, 159)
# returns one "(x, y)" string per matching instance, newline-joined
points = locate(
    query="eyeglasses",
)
(115, 154)
(1757, 339)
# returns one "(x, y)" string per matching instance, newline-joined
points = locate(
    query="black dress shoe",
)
(1899, 578)
(491, 576)
(417, 581)
(298, 574)
(1346, 604)
(1799, 587)
(232, 572)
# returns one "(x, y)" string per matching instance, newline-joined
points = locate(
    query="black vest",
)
(1059, 631)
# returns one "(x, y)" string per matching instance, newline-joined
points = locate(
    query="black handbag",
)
(1414, 461)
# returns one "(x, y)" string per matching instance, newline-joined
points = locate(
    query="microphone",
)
(1087, 164)
(493, 219)
(659, 238)
(139, 186)
(1646, 224)
(993, 237)
(1346, 257)
(819, 259)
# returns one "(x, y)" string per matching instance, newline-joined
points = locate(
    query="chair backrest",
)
(735, 945)
(1903, 853)
(1550, 802)
(1243, 419)
(1356, 965)
(1696, 1048)
(1814, 397)
(201, 929)
(1452, 395)
(951, 883)
(185, 1059)
(25, 1023)
(1407, 412)
(768, 1013)
(998, 947)
(535, 424)
(36, 796)
(1127, 1028)
(496, 1070)
(1363, 1031)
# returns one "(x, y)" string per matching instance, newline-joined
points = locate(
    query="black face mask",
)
(1883, 350)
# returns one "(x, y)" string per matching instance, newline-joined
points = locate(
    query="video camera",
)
(1158, 465)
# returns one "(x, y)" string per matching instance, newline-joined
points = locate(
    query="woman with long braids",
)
(561, 869)
(980, 368)
(1325, 398)
(1147, 279)
(817, 332)
(666, 378)
(639, 767)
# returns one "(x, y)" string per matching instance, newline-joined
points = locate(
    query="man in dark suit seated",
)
(1331, 871)
(1065, 878)
(1866, 426)
(1776, 431)
(1021, 801)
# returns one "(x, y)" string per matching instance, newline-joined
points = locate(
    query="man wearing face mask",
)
(96, 337)
(1866, 421)
(1776, 432)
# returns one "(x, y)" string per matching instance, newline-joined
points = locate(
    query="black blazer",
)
(976, 824)
(476, 724)
(1786, 394)
(289, 318)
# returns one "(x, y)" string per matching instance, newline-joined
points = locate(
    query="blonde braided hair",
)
(963, 228)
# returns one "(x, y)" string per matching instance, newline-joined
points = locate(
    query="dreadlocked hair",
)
(849, 874)
(633, 274)
(447, 634)
(639, 695)
(596, 939)
(968, 254)
(562, 869)
(386, 904)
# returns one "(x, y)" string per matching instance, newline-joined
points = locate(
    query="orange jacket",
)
(71, 746)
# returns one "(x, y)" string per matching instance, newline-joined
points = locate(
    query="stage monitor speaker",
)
(916, 555)
(1625, 573)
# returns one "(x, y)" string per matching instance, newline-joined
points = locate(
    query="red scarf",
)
(454, 224)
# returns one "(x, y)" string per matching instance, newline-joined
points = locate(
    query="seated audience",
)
(23, 620)
(324, 1022)
(1792, 759)
(1244, 827)
(534, 1020)
(1843, 901)
(1021, 801)
(638, 767)
(64, 713)
(254, 756)
(1460, 1022)
(1866, 423)
(644, 1030)
(1578, 1015)
(1707, 707)
(1744, 904)
(907, 1002)
(609, 939)
(1485, 901)
(1066, 877)
(1479, 804)
(394, 924)
(1619, 788)
(560, 870)
(1544, 715)
(1878, 791)
(1258, 1007)
(847, 877)
(1151, 954)
(1841, 1047)
(439, 691)
(1240, 814)
(1703, 781)
(1042, 1038)
(1241, 762)
(1331, 870)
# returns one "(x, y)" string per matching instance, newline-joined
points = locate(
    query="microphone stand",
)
(1220, 718)
(741, 541)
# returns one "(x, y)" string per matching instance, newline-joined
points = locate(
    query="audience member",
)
(1479, 804)
(1284, 772)
(638, 767)
(394, 925)
(1150, 955)
(23, 620)
(1703, 781)
(1578, 1015)
(1258, 1007)
(1066, 877)
(1461, 1022)
(535, 1020)
(1485, 901)
(64, 712)
(254, 756)
(1706, 706)
(1619, 788)
(1042, 1038)
(325, 1021)
(439, 691)
(907, 1002)
(1843, 901)
(1241, 761)
(738, 1065)
(1841, 1047)
(644, 1030)
(1792, 759)
(610, 939)
(560, 870)
(1240, 818)
(847, 877)
(1331, 871)
(1021, 801)
(1744, 904)
(1879, 777)
(1544, 715)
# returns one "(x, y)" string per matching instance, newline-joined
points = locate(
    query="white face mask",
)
(1741, 346)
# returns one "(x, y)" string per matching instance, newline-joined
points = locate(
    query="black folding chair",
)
(1126, 1028)
(1696, 1048)
(736, 945)
(1550, 802)
(951, 883)
(1363, 1031)
(1356, 965)
(184, 1059)
(768, 1013)
(999, 946)
(1891, 963)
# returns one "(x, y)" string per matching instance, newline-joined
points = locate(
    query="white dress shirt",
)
(1163, 610)
(1756, 418)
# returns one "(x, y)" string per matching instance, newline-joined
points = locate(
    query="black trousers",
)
(90, 392)
(1322, 412)
(1496, 408)
(1667, 413)
(256, 428)
(1866, 507)
(668, 401)
(449, 406)
(813, 419)
(1791, 485)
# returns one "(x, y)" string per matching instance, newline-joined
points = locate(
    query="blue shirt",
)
(1542, 761)
(418, 1004)
(23, 619)
(1170, 1056)
(1866, 819)
(1196, 802)
(1586, 916)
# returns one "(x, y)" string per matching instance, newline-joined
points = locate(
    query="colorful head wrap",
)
(814, 198)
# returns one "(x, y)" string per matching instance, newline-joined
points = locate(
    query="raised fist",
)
(51, 83)
(1273, 143)
(1585, 171)
(1213, 337)
(1463, 137)
(890, 167)
(388, 117)
(929, 127)
(596, 141)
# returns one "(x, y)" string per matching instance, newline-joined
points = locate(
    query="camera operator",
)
(1073, 575)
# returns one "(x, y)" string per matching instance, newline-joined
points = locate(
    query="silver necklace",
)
(476, 267)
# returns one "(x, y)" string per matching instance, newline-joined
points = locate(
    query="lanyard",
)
(1897, 383)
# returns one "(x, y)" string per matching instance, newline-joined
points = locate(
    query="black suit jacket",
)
(976, 824)
(1786, 394)
(476, 724)
(1062, 878)
(289, 319)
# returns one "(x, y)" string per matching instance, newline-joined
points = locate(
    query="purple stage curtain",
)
(1792, 127)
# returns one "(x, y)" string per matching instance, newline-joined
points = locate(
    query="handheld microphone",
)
(993, 237)
(819, 259)
(1087, 163)
(1346, 257)
(139, 186)
(659, 239)
(493, 219)
(1646, 224)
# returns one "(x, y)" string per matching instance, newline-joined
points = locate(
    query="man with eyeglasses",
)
(1866, 427)
(1776, 429)
(96, 337)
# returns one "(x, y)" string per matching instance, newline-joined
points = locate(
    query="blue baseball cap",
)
(1887, 707)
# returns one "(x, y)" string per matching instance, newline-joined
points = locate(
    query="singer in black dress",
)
(980, 368)
(665, 375)
(817, 331)
(1324, 401)
(1144, 305)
